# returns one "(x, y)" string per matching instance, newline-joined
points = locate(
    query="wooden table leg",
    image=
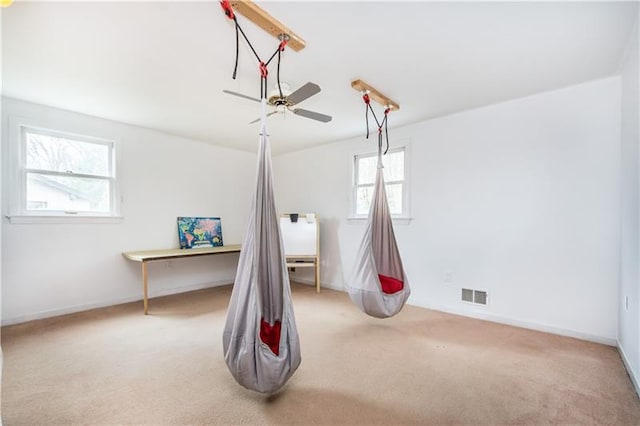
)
(144, 286)
(317, 275)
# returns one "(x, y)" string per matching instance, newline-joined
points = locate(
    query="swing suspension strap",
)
(264, 72)
(381, 125)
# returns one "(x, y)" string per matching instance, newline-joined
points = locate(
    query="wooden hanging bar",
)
(261, 18)
(361, 86)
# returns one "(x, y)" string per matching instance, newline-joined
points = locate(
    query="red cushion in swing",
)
(270, 335)
(390, 285)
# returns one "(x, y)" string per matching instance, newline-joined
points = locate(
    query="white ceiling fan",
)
(283, 99)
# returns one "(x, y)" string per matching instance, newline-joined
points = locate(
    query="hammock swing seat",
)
(260, 339)
(378, 284)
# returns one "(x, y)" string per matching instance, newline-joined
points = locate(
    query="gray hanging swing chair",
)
(260, 340)
(378, 284)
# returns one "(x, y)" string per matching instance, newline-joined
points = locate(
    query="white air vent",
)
(474, 296)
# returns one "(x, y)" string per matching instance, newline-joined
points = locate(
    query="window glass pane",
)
(393, 171)
(366, 170)
(363, 199)
(72, 193)
(53, 153)
(393, 166)
(394, 198)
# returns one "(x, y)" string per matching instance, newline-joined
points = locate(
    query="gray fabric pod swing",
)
(378, 284)
(260, 340)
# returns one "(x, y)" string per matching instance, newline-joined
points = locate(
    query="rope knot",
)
(263, 70)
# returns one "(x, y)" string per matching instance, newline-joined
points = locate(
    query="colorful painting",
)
(194, 232)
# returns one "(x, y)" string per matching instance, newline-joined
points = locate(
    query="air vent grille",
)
(467, 295)
(474, 296)
(480, 297)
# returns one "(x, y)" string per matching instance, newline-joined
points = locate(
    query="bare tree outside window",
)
(67, 174)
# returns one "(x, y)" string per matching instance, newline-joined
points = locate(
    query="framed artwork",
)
(194, 232)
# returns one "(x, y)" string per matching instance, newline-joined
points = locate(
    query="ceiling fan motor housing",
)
(276, 100)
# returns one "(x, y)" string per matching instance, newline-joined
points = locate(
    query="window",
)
(365, 167)
(60, 174)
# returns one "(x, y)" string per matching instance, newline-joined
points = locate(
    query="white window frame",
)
(405, 216)
(18, 212)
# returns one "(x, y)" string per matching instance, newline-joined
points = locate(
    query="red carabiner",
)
(366, 99)
(228, 10)
(283, 43)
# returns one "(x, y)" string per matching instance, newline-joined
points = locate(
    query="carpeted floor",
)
(116, 366)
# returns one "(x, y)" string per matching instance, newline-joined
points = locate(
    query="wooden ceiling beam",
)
(261, 18)
(374, 94)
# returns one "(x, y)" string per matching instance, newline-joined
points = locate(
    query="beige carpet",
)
(116, 366)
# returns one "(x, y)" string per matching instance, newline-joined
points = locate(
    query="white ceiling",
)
(163, 65)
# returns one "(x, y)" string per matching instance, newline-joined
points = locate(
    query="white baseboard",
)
(166, 292)
(313, 283)
(111, 302)
(500, 319)
(524, 324)
(632, 374)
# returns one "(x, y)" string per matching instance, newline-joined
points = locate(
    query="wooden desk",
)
(146, 256)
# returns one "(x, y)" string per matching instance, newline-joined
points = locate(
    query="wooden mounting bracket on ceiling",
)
(361, 86)
(261, 18)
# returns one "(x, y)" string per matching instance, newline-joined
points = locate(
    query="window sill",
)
(64, 219)
(396, 220)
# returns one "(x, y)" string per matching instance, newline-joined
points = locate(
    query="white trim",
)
(311, 282)
(305, 281)
(499, 319)
(505, 320)
(632, 374)
(399, 220)
(31, 219)
(66, 174)
(519, 323)
(113, 302)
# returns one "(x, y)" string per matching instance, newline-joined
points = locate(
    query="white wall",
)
(520, 199)
(56, 268)
(629, 300)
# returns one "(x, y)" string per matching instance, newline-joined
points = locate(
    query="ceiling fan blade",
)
(303, 93)
(268, 115)
(241, 95)
(312, 115)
